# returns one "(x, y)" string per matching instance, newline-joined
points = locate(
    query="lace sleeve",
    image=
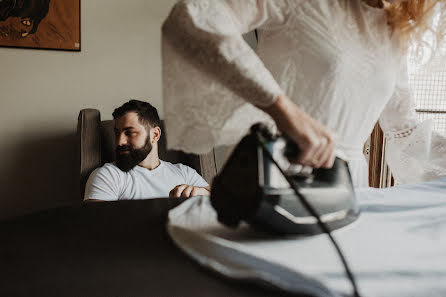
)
(210, 72)
(414, 151)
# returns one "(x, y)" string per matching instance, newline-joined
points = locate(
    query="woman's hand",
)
(186, 191)
(316, 143)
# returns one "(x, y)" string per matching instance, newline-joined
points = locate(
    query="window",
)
(428, 84)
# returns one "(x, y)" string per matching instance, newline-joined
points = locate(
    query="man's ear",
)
(156, 134)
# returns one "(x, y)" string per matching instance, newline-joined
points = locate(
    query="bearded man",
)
(138, 173)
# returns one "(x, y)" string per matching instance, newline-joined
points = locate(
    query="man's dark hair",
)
(147, 114)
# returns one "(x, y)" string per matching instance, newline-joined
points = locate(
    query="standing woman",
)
(325, 72)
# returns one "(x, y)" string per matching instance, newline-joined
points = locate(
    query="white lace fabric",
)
(336, 59)
(414, 151)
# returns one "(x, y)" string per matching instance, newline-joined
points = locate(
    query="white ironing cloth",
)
(397, 247)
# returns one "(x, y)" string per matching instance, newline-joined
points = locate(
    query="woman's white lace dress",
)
(337, 60)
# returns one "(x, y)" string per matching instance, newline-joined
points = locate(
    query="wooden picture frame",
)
(40, 24)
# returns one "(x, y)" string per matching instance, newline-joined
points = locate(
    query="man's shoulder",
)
(176, 166)
(105, 183)
(108, 169)
(189, 174)
(109, 166)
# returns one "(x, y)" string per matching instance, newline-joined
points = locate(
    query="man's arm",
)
(186, 191)
(92, 200)
(193, 184)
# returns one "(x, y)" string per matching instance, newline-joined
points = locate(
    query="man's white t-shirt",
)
(110, 183)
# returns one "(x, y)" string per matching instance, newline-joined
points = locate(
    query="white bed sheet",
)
(397, 247)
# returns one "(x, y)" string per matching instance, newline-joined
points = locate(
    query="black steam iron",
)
(251, 188)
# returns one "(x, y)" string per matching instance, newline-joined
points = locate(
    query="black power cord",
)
(321, 224)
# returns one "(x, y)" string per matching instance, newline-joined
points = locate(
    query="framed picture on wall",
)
(43, 24)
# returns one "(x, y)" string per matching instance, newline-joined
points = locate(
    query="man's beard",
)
(127, 162)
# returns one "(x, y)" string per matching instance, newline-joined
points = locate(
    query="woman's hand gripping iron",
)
(259, 186)
(251, 187)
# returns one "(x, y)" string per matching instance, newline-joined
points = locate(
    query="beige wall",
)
(42, 92)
